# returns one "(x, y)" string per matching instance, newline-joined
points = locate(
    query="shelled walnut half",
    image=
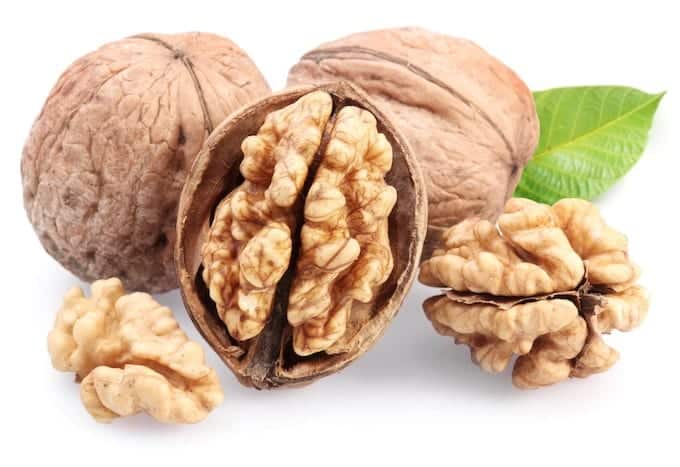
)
(544, 283)
(130, 356)
(300, 229)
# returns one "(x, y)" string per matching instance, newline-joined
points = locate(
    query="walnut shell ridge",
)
(106, 158)
(470, 119)
(237, 214)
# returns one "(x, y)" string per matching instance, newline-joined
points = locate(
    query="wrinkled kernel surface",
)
(528, 254)
(553, 279)
(344, 254)
(249, 245)
(131, 356)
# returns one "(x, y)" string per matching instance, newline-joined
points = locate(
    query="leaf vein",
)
(596, 130)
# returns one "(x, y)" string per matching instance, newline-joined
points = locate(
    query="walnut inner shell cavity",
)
(299, 232)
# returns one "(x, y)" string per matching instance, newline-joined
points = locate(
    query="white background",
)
(415, 397)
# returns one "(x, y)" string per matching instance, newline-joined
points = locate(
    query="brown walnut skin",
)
(268, 360)
(106, 159)
(470, 119)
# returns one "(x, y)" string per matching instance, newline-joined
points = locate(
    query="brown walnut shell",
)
(106, 159)
(263, 356)
(470, 119)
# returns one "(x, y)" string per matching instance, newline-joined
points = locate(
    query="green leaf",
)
(590, 137)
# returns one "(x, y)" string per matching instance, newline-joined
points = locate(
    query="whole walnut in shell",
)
(544, 283)
(107, 157)
(300, 229)
(470, 120)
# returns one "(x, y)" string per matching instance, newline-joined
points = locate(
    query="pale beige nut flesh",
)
(542, 284)
(249, 245)
(345, 251)
(479, 257)
(131, 356)
(300, 230)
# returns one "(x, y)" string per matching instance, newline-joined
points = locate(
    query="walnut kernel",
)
(131, 356)
(292, 266)
(544, 283)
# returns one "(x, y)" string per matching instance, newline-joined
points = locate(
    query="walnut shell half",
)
(299, 232)
(470, 119)
(106, 159)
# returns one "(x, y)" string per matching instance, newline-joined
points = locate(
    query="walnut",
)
(292, 266)
(345, 253)
(470, 119)
(106, 158)
(544, 283)
(249, 245)
(131, 356)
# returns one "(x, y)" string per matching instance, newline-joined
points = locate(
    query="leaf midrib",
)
(654, 98)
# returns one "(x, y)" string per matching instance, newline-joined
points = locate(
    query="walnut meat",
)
(289, 256)
(345, 250)
(106, 158)
(545, 284)
(470, 119)
(131, 356)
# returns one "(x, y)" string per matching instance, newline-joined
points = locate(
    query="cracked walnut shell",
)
(544, 284)
(130, 356)
(299, 231)
(470, 119)
(106, 159)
